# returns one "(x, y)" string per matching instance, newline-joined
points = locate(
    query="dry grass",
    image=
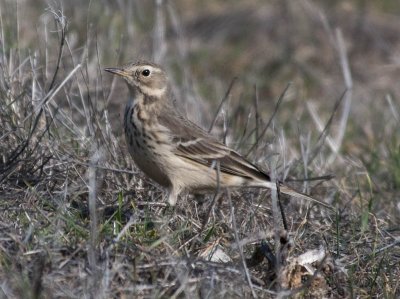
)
(77, 219)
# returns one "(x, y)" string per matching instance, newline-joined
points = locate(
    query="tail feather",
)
(289, 191)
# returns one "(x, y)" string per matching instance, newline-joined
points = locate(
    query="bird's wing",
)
(192, 142)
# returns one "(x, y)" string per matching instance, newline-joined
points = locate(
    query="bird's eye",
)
(146, 72)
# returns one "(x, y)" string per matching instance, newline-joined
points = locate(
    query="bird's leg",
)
(173, 195)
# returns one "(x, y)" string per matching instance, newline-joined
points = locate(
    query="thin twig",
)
(60, 18)
(160, 47)
(226, 96)
(317, 178)
(269, 121)
(215, 198)
(344, 63)
(257, 113)
(323, 135)
(121, 233)
(284, 221)
(235, 231)
(393, 108)
(275, 215)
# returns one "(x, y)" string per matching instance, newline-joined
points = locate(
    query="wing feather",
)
(192, 142)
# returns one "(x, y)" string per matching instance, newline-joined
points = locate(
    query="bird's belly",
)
(148, 162)
(197, 177)
(145, 152)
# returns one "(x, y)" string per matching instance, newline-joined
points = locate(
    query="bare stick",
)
(246, 270)
(159, 43)
(344, 63)
(257, 113)
(270, 120)
(393, 108)
(226, 96)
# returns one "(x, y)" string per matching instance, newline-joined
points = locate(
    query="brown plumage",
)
(172, 150)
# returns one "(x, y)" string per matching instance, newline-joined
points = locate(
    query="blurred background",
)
(205, 44)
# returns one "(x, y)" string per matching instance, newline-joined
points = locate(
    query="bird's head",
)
(146, 77)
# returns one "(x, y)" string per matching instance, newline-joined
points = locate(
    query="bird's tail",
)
(289, 191)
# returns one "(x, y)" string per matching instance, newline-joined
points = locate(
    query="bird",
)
(175, 152)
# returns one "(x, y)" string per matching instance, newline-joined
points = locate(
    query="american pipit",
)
(172, 150)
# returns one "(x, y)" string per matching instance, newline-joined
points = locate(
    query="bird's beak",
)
(117, 71)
